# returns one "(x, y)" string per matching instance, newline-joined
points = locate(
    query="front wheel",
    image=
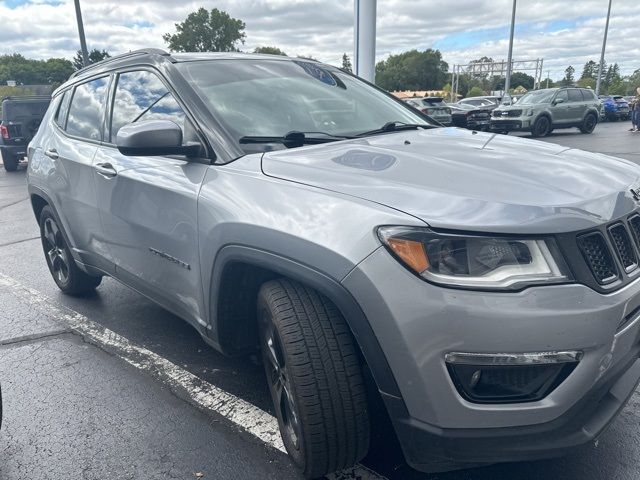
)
(541, 127)
(315, 378)
(69, 278)
(589, 124)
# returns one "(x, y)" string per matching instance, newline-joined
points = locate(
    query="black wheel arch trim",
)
(33, 190)
(327, 286)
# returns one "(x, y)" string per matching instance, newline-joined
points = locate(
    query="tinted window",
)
(562, 94)
(575, 95)
(87, 109)
(142, 96)
(63, 109)
(588, 95)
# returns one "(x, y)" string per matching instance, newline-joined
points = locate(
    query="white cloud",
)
(323, 28)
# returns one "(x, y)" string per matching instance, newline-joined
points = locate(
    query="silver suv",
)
(484, 287)
(542, 111)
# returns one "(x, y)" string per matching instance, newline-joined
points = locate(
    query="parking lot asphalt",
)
(77, 404)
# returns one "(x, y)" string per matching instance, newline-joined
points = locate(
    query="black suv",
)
(21, 117)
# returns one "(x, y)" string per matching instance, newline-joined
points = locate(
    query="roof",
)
(153, 56)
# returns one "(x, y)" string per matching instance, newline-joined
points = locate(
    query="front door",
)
(560, 111)
(148, 205)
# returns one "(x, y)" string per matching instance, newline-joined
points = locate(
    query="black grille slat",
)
(623, 246)
(634, 225)
(598, 256)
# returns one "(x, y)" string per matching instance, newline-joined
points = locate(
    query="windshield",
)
(538, 96)
(271, 98)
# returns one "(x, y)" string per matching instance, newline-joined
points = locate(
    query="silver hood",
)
(454, 178)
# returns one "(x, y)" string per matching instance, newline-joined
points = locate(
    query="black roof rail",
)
(145, 51)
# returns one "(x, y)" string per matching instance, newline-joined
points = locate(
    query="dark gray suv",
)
(542, 111)
(484, 289)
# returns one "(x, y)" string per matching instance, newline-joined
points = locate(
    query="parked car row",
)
(538, 111)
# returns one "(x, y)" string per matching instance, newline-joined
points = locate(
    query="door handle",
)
(106, 170)
(52, 153)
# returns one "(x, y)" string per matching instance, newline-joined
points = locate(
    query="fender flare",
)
(327, 286)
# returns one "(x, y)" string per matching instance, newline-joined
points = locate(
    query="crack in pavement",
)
(19, 241)
(34, 337)
(13, 203)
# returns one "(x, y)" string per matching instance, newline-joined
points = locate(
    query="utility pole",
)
(548, 73)
(83, 41)
(507, 81)
(604, 46)
(364, 59)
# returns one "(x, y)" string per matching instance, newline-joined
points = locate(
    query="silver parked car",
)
(484, 287)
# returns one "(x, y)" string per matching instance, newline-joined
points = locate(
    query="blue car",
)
(615, 107)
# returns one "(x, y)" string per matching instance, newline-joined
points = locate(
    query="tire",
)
(315, 377)
(541, 127)
(10, 162)
(69, 278)
(588, 124)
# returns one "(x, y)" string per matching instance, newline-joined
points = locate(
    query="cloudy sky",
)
(563, 32)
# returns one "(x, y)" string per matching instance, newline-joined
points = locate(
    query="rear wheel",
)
(10, 162)
(315, 378)
(69, 278)
(541, 127)
(589, 123)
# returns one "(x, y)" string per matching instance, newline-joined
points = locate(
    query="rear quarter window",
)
(86, 112)
(63, 109)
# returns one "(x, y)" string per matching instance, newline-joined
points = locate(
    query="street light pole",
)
(604, 46)
(365, 39)
(83, 41)
(507, 81)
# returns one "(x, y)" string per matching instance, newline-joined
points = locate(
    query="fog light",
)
(509, 378)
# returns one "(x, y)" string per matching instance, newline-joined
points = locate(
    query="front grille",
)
(515, 113)
(598, 257)
(624, 248)
(634, 224)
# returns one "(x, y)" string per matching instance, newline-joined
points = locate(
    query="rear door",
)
(68, 152)
(148, 205)
(577, 105)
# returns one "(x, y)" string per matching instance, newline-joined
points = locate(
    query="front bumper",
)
(510, 125)
(417, 324)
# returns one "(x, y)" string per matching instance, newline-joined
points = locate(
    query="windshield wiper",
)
(395, 127)
(295, 139)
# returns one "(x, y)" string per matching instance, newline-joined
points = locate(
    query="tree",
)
(346, 63)
(413, 70)
(476, 92)
(590, 70)
(95, 56)
(34, 72)
(204, 31)
(568, 79)
(269, 51)
(518, 79)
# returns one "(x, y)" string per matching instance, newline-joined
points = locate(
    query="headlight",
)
(528, 112)
(476, 261)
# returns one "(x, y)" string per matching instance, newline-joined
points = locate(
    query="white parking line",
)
(200, 392)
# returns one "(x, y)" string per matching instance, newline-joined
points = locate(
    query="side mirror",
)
(153, 137)
(558, 100)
